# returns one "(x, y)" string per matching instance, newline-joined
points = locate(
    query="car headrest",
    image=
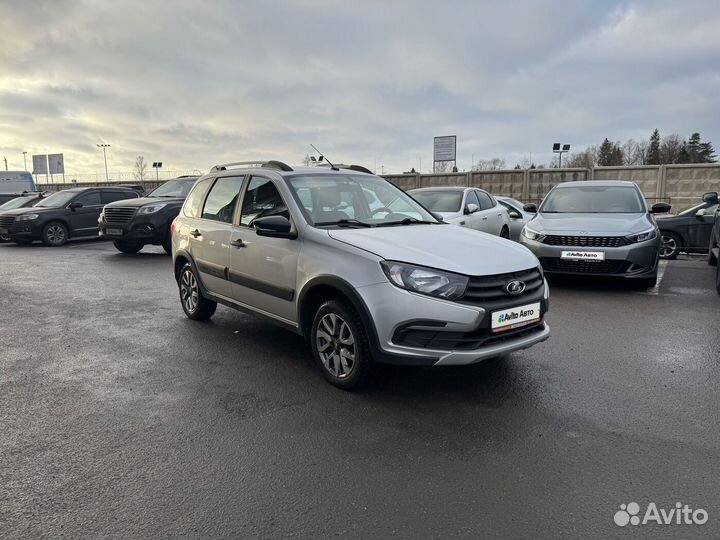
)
(328, 197)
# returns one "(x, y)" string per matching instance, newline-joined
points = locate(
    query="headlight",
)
(425, 280)
(152, 208)
(27, 217)
(528, 233)
(101, 216)
(643, 236)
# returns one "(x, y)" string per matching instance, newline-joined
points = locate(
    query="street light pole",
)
(25, 159)
(560, 150)
(104, 147)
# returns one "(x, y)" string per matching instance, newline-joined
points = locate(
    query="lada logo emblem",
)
(515, 287)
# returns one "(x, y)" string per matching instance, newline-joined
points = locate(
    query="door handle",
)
(238, 243)
(195, 233)
(485, 218)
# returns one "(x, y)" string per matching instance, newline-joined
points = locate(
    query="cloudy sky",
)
(196, 83)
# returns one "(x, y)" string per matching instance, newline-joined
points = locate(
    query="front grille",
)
(6, 221)
(586, 241)
(489, 291)
(584, 267)
(119, 215)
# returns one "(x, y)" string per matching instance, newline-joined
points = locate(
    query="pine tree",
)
(706, 154)
(653, 154)
(605, 156)
(693, 148)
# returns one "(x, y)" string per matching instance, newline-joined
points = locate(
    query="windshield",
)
(56, 200)
(19, 202)
(330, 199)
(594, 200)
(174, 188)
(439, 201)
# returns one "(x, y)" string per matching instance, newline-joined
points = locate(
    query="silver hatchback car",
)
(599, 228)
(363, 283)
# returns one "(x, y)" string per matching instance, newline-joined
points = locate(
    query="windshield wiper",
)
(345, 222)
(407, 221)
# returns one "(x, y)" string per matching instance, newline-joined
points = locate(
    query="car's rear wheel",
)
(194, 304)
(717, 279)
(54, 234)
(167, 245)
(671, 245)
(127, 246)
(712, 258)
(505, 233)
(340, 345)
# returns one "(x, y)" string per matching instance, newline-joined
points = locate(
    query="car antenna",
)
(333, 167)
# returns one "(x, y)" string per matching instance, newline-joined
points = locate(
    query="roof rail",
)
(360, 168)
(271, 164)
(357, 168)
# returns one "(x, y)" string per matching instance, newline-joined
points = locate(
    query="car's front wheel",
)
(340, 345)
(712, 258)
(127, 246)
(505, 233)
(194, 304)
(54, 234)
(671, 244)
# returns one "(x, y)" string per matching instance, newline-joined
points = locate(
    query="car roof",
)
(598, 183)
(446, 188)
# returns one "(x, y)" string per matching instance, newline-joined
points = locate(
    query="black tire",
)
(717, 278)
(194, 304)
(54, 234)
(346, 335)
(167, 245)
(128, 246)
(712, 260)
(505, 233)
(671, 245)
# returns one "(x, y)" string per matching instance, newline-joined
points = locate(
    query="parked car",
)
(24, 200)
(467, 207)
(66, 214)
(395, 286)
(517, 214)
(134, 223)
(603, 228)
(14, 183)
(689, 231)
(714, 244)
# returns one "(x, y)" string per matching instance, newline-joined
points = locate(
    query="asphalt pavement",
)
(120, 418)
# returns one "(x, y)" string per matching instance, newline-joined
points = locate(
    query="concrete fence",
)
(681, 185)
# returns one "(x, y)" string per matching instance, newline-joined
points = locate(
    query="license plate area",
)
(511, 318)
(574, 255)
(113, 232)
(3, 231)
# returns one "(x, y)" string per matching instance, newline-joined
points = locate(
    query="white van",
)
(13, 183)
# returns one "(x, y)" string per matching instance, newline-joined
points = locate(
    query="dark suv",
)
(132, 224)
(66, 214)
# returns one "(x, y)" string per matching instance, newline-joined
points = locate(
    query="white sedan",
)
(467, 207)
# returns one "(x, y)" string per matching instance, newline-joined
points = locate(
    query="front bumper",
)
(141, 228)
(23, 231)
(634, 261)
(395, 311)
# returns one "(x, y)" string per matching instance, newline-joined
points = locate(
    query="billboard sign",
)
(56, 164)
(444, 148)
(40, 164)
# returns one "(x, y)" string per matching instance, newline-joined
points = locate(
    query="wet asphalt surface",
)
(120, 418)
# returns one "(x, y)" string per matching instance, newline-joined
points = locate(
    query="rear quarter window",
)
(193, 203)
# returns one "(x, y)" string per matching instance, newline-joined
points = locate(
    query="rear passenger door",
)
(263, 270)
(84, 220)
(209, 234)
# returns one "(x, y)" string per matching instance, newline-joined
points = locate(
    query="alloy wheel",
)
(55, 234)
(669, 246)
(189, 291)
(336, 345)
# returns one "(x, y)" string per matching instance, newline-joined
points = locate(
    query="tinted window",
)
(89, 199)
(174, 188)
(112, 196)
(220, 202)
(56, 200)
(439, 201)
(193, 203)
(485, 201)
(594, 200)
(472, 199)
(261, 200)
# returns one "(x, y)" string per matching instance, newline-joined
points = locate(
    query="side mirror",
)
(700, 213)
(514, 214)
(530, 208)
(274, 227)
(438, 217)
(471, 208)
(711, 197)
(74, 206)
(660, 208)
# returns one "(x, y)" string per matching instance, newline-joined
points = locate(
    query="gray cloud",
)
(193, 84)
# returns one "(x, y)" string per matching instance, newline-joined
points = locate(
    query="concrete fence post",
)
(526, 185)
(660, 189)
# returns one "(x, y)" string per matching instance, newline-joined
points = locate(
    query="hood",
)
(27, 210)
(590, 224)
(142, 201)
(445, 247)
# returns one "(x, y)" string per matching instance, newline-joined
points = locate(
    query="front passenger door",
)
(700, 227)
(84, 219)
(263, 270)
